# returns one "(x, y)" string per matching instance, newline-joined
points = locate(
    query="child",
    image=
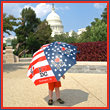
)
(55, 85)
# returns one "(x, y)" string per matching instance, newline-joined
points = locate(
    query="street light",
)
(8, 42)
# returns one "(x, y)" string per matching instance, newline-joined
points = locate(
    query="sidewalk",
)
(78, 90)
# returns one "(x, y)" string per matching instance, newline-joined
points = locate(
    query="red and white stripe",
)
(39, 61)
(40, 50)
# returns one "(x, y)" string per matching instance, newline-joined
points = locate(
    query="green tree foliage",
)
(43, 33)
(85, 36)
(29, 24)
(32, 42)
(41, 36)
(4, 45)
(32, 33)
(66, 38)
(63, 37)
(104, 15)
(9, 22)
(14, 43)
(74, 38)
(98, 31)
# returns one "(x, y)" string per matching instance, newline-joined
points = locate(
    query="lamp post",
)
(8, 42)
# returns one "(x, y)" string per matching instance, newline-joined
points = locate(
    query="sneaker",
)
(50, 102)
(60, 101)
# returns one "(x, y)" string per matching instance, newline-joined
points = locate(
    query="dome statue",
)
(55, 22)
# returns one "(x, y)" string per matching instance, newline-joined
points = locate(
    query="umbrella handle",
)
(78, 51)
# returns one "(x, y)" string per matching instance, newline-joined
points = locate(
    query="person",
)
(55, 85)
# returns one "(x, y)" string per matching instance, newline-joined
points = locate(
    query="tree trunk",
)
(21, 53)
(17, 46)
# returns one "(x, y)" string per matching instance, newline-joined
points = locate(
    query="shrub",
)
(91, 51)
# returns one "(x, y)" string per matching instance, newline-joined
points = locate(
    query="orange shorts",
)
(53, 85)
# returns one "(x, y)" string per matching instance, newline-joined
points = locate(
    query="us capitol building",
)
(55, 24)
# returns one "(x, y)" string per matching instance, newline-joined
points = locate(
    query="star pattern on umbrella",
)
(59, 56)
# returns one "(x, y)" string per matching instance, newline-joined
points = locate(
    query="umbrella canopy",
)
(51, 61)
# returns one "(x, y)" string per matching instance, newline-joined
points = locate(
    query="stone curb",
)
(88, 69)
(81, 67)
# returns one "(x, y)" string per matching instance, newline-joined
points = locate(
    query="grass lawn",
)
(27, 55)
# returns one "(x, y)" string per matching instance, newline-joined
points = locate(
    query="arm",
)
(63, 76)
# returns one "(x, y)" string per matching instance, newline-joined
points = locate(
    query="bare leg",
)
(57, 91)
(50, 94)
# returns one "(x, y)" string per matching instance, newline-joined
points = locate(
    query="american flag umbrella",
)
(51, 61)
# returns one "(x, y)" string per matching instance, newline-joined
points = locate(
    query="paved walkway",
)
(78, 90)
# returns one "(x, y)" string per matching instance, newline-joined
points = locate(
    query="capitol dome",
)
(55, 22)
(53, 16)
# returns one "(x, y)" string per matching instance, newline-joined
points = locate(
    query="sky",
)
(74, 16)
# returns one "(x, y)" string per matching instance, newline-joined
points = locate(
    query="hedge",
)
(91, 51)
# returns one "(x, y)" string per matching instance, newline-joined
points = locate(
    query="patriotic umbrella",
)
(51, 61)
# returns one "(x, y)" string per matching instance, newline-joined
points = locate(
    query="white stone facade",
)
(55, 22)
(70, 33)
(81, 30)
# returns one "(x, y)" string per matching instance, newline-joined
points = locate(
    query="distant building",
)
(70, 33)
(81, 30)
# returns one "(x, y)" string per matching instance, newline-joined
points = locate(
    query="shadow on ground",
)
(70, 96)
(13, 67)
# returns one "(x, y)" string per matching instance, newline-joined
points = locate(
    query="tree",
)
(9, 23)
(74, 38)
(32, 42)
(85, 36)
(4, 45)
(29, 24)
(98, 31)
(32, 33)
(29, 21)
(104, 15)
(43, 33)
(41, 36)
(62, 37)
(99, 28)
(14, 43)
